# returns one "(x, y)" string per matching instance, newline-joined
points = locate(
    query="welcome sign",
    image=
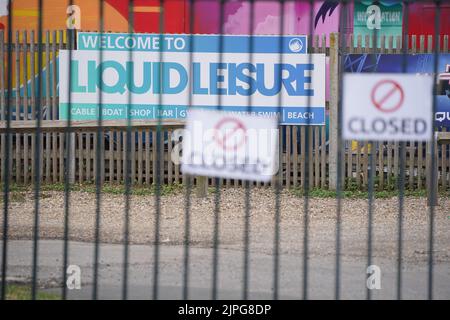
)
(150, 76)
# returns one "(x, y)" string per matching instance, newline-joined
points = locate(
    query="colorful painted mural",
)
(207, 15)
(55, 15)
(266, 17)
(146, 13)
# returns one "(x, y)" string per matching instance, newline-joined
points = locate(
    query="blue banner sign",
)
(132, 81)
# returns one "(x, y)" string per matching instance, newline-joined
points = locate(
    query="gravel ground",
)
(321, 213)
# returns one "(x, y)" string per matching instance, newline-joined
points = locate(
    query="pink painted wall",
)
(326, 23)
(236, 17)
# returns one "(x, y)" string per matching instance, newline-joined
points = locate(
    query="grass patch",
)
(17, 191)
(23, 292)
(356, 194)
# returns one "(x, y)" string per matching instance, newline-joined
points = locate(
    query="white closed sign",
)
(227, 145)
(387, 107)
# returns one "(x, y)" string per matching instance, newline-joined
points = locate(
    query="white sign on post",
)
(387, 107)
(229, 145)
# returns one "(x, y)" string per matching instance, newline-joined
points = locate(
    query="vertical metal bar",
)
(7, 155)
(245, 285)
(37, 156)
(33, 100)
(276, 181)
(401, 178)
(98, 160)
(433, 150)
(217, 195)
(127, 161)
(187, 220)
(307, 178)
(370, 215)
(159, 159)
(340, 144)
(371, 174)
(2, 99)
(67, 173)
(2, 75)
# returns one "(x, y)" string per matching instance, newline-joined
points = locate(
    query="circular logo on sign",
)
(387, 96)
(295, 45)
(230, 134)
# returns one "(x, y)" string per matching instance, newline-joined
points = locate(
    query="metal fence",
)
(143, 156)
(37, 148)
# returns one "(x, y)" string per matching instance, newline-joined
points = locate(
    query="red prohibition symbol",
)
(387, 96)
(230, 134)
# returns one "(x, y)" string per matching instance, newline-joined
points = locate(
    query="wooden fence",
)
(143, 155)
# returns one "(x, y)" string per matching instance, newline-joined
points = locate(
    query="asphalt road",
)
(321, 273)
